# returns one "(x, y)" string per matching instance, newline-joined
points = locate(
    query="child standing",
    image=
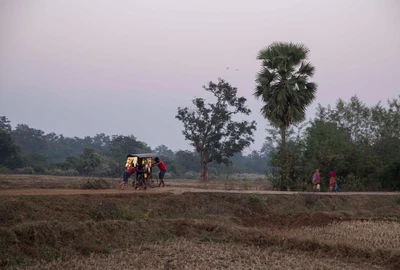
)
(332, 180)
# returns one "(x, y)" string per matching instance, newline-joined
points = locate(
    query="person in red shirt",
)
(332, 179)
(163, 170)
(127, 174)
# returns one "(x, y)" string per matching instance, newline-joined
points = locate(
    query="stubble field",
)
(202, 230)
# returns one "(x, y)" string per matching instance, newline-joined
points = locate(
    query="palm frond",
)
(283, 82)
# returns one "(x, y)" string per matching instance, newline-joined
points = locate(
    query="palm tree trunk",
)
(284, 159)
(283, 135)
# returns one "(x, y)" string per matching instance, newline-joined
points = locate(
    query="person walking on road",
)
(316, 181)
(332, 180)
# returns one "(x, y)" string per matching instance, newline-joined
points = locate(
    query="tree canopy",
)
(283, 83)
(210, 127)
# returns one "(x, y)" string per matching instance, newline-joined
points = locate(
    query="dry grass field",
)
(195, 230)
(76, 182)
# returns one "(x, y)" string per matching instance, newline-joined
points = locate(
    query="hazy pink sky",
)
(80, 68)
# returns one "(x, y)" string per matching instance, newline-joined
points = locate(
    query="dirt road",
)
(173, 190)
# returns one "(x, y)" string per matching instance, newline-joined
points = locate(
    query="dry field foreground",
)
(198, 231)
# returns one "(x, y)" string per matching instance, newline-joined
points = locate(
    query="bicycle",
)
(150, 180)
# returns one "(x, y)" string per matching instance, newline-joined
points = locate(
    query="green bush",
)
(39, 168)
(275, 180)
(254, 198)
(4, 170)
(24, 170)
(351, 183)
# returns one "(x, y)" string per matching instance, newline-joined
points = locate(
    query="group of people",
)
(316, 181)
(140, 169)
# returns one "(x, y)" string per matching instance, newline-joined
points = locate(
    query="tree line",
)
(360, 143)
(31, 151)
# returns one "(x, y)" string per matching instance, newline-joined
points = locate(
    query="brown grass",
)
(367, 235)
(199, 231)
(17, 181)
(185, 254)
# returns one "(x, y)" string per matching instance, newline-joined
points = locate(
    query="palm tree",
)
(282, 84)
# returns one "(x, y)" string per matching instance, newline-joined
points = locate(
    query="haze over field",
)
(85, 67)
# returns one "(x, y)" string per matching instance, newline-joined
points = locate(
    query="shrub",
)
(274, 180)
(60, 172)
(4, 170)
(24, 170)
(254, 198)
(91, 183)
(351, 183)
(38, 168)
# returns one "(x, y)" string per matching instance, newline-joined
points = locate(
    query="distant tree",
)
(30, 140)
(187, 161)
(120, 146)
(385, 122)
(210, 128)
(354, 118)
(108, 167)
(56, 150)
(164, 151)
(238, 162)
(38, 161)
(90, 160)
(5, 124)
(283, 85)
(10, 156)
(255, 163)
(72, 162)
(266, 149)
(100, 142)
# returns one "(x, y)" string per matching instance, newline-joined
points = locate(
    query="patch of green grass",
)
(255, 198)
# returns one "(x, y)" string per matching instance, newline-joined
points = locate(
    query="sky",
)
(80, 68)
